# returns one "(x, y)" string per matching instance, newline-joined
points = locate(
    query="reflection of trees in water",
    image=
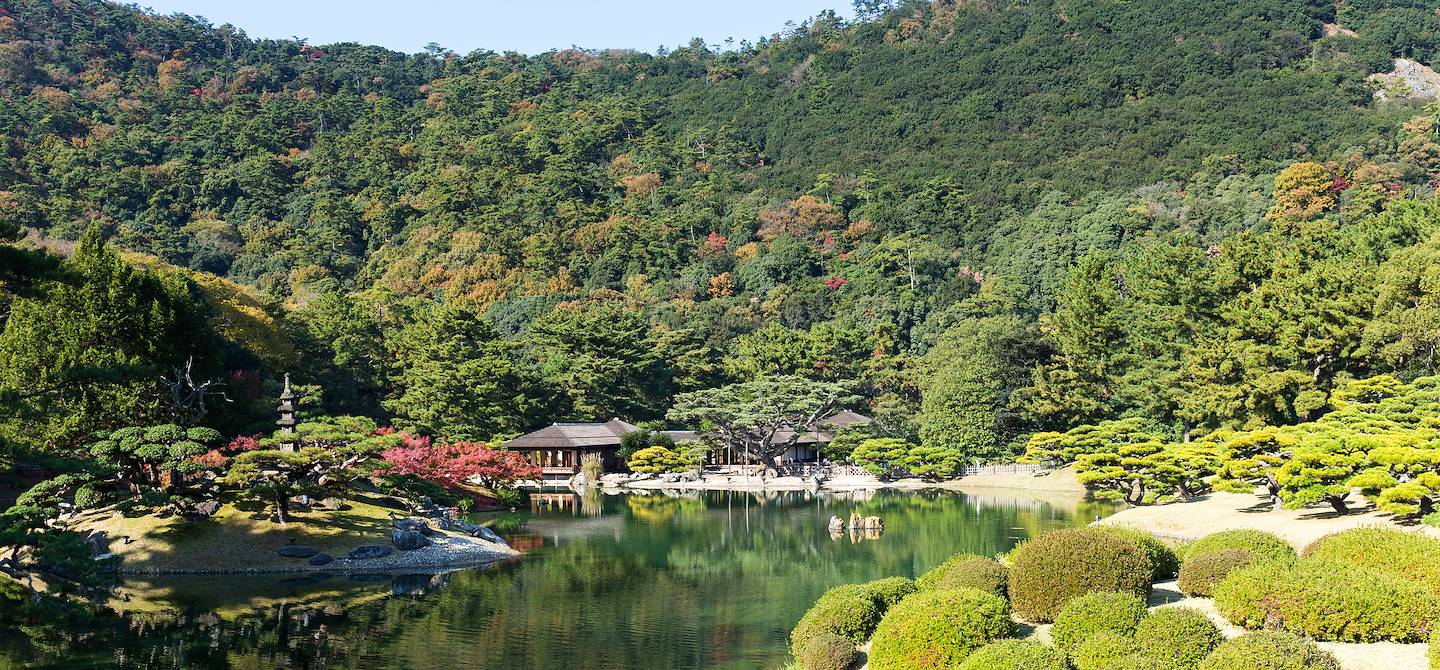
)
(709, 580)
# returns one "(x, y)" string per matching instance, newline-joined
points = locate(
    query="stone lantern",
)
(287, 417)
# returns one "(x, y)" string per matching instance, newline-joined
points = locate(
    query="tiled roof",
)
(573, 435)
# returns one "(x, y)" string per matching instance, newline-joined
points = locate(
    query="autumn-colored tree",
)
(455, 465)
(1303, 191)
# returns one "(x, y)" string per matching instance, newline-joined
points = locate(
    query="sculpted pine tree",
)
(762, 419)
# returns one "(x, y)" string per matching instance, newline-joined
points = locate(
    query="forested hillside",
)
(998, 217)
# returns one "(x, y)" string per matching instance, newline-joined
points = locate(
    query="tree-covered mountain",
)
(999, 216)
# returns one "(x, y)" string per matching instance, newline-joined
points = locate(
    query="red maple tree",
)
(452, 465)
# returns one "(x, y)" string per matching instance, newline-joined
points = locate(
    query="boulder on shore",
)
(369, 551)
(408, 540)
(320, 559)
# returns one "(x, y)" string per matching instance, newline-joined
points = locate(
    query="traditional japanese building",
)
(558, 448)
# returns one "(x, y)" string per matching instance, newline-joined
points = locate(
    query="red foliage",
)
(454, 464)
(242, 443)
(835, 283)
(386, 430)
(714, 245)
(245, 383)
(1339, 184)
(211, 459)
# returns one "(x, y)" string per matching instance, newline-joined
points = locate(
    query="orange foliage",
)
(798, 218)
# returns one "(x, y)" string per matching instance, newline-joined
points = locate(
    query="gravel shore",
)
(445, 551)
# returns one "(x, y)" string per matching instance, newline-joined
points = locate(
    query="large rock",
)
(414, 525)
(369, 551)
(320, 559)
(408, 540)
(297, 551)
(99, 542)
(205, 508)
(837, 523)
(489, 536)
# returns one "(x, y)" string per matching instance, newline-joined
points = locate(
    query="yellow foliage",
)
(1302, 193)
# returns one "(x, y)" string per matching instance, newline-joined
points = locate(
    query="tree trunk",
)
(1338, 502)
(1274, 488)
(1136, 495)
(282, 507)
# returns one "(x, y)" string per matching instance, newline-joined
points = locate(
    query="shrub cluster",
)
(826, 651)
(1048, 571)
(1262, 546)
(888, 591)
(967, 571)
(1435, 651)
(1162, 557)
(1015, 655)
(1181, 636)
(851, 612)
(1093, 613)
(1105, 650)
(938, 629)
(1405, 555)
(847, 611)
(1201, 572)
(1328, 601)
(1269, 650)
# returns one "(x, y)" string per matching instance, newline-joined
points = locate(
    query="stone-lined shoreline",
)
(445, 551)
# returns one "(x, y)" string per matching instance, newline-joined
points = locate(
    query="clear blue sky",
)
(500, 25)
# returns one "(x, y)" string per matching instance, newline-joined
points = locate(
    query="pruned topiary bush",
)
(1397, 552)
(1201, 572)
(967, 571)
(888, 591)
(1328, 601)
(1162, 557)
(1046, 572)
(1016, 655)
(938, 629)
(848, 611)
(1103, 651)
(1269, 650)
(826, 651)
(1092, 613)
(1262, 546)
(1181, 636)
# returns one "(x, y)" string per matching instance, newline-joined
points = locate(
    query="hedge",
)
(888, 591)
(1093, 613)
(1201, 572)
(1103, 651)
(967, 571)
(1435, 651)
(1269, 650)
(826, 651)
(1181, 635)
(1049, 570)
(1405, 555)
(1328, 601)
(848, 611)
(1015, 655)
(938, 629)
(1162, 557)
(1262, 546)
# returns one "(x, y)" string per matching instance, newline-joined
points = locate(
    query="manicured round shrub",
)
(827, 651)
(1162, 557)
(1201, 572)
(938, 629)
(1180, 635)
(888, 591)
(1328, 601)
(1103, 650)
(1269, 650)
(1015, 655)
(90, 496)
(1262, 546)
(1405, 555)
(1046, 572)
(1093, 613)
(967, 571)
(848, 611)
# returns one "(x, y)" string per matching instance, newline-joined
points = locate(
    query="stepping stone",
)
(297, 551)
(320, 559)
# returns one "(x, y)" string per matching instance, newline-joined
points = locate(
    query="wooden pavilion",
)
(557, 448)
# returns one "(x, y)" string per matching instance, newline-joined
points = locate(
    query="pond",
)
(701, 580)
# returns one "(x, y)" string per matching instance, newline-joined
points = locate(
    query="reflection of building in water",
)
(550, 502)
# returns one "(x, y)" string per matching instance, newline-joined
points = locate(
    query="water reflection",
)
(662, 580)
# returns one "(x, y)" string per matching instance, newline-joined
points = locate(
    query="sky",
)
(498, 25)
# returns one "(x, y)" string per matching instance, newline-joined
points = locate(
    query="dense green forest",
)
(999, 218)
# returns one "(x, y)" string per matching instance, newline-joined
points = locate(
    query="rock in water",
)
(837, 523)
(297, 551)
(489, 536)
(320, 559)
(408, 540)
(370, 551)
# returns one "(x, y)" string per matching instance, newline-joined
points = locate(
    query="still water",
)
(708, 580)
